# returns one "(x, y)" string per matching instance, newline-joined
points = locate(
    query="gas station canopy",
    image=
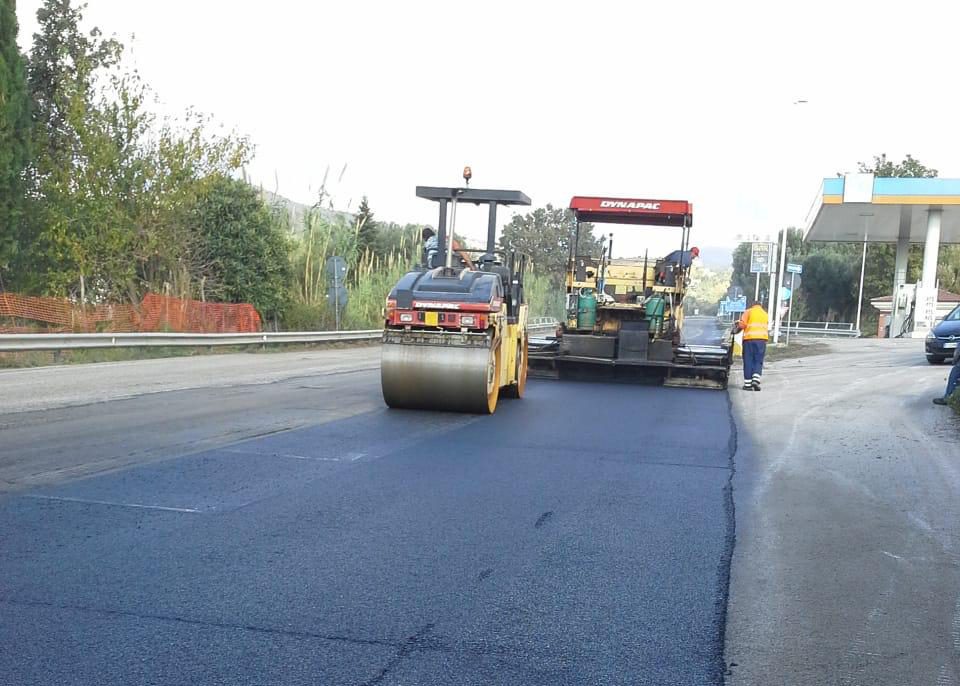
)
(865, 208)
(883, 210)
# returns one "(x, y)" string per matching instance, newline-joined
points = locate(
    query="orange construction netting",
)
(26, 314)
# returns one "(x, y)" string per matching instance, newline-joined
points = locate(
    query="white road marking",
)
(113, 504)
(287, 455)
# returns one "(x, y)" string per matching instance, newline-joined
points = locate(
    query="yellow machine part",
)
(515, 348)
(417, 375)
(626, 277)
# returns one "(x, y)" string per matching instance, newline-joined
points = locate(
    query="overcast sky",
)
(674, 100)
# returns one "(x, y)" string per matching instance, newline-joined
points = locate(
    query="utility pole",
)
(774, 292)
(780, 272)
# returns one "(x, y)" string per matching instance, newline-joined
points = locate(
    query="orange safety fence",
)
(155, 313)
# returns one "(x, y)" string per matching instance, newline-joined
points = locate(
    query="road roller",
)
(455, 330)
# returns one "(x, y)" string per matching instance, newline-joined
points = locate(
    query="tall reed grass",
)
(371, 273)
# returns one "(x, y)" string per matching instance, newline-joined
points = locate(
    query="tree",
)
(828, 278)
(174, 166)
(545, 235)
(14, 134)
(741, 276)
(366, 228)
(72, 233)
(64, 65)
(908, 168)
(244, 248)
(111, 187)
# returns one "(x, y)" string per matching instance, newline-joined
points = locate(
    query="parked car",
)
(944, 338)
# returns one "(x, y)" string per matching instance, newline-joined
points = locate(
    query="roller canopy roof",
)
(474, 195)
(632, 211)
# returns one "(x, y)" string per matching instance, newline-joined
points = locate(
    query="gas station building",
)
(859, 208)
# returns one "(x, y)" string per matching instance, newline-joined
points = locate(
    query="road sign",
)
(337, 295)
(737, 305)
(336, 268)
(761, 257)
(794, 268)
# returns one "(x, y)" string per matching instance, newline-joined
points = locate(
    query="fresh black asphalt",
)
(579, 536)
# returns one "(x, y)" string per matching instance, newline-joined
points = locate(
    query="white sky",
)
(673, 100)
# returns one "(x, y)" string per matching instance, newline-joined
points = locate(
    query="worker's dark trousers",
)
(953, 380)
(753, 352)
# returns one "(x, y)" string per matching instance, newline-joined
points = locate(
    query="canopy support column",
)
(931, 249)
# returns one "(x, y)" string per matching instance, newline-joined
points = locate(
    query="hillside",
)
(296, 211)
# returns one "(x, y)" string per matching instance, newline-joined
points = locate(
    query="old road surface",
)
(263, 519)
(286, 528)
(846, 568)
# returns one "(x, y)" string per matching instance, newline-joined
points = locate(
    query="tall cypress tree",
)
(366, 228)
(14, 133)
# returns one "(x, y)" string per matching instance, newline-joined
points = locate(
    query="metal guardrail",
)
(79, 341)
(538, 326)
(541, 326)
(841, 329)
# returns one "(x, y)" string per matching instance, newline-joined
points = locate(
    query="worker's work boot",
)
(756, 382)
(939, 401)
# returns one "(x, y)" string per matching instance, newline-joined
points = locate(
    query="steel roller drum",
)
(429, 377)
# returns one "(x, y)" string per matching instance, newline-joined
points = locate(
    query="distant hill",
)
(297, 211)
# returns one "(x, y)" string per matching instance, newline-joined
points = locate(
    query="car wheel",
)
(935, 359)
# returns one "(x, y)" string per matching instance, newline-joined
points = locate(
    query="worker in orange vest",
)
(754, 324)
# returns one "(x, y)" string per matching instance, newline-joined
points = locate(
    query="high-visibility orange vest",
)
(754, 324)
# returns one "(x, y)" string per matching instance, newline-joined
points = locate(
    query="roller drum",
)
(430, 377)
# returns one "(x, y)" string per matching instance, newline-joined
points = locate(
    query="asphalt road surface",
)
(291, 530)
(263, 519)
